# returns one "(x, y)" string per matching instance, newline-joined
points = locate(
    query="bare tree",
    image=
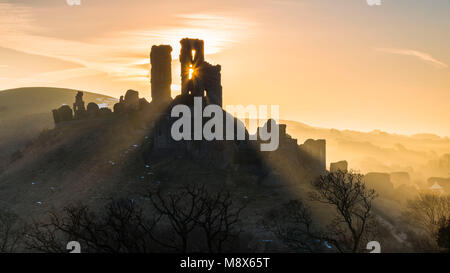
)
(10, 231)
(193, 208)
(219, 219)
(174, 221)
(352, 200)
(443, 237)
(427, 213)
(353, 223)
(44, 237)
(122, 228)
(181, 209)
(293, 225)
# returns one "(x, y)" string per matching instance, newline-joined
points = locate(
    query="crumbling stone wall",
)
(381, 182)
(211, 82)
(92, 110)
(161, 73)
(131, 99)
(63, 113)
(340, 166)
(105, 112)
(79, 110)
(120, 106)
(130, 103)
(316, 150)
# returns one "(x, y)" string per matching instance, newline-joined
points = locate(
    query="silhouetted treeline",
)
(190, 219)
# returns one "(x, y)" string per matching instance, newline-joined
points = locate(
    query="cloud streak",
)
(414, 53)
(113, 53)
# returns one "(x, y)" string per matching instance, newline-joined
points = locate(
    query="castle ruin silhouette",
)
(198, 79)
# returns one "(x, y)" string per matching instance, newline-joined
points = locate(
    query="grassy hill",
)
(24, 112)
(92, 160)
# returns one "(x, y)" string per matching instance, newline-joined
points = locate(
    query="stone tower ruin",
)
(78, 107)
(197, 75)
(161, 73)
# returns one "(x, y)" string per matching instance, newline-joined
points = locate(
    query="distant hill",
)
(24, 112)
(21, 102)
(421, 155)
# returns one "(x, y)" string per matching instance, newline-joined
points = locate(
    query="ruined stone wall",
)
(316, 150)
(340, 166)
(63, 113)
(79, 110)
(210, 79)
(161, 73)
(381, 182)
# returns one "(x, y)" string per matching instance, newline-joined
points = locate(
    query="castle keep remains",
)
(197, 75)
(198, 79)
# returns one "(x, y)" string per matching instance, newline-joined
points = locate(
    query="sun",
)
(191, 71)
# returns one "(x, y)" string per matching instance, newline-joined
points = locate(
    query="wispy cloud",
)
(49, 77)
(120, 54)
(15, 18)
(414, 53)
(219, 32)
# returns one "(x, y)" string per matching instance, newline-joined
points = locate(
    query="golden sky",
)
(328, 63)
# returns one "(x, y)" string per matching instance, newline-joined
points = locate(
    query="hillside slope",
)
(90, 161)
(24, 112)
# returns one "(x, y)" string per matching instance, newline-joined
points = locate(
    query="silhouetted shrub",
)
(443, 237)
